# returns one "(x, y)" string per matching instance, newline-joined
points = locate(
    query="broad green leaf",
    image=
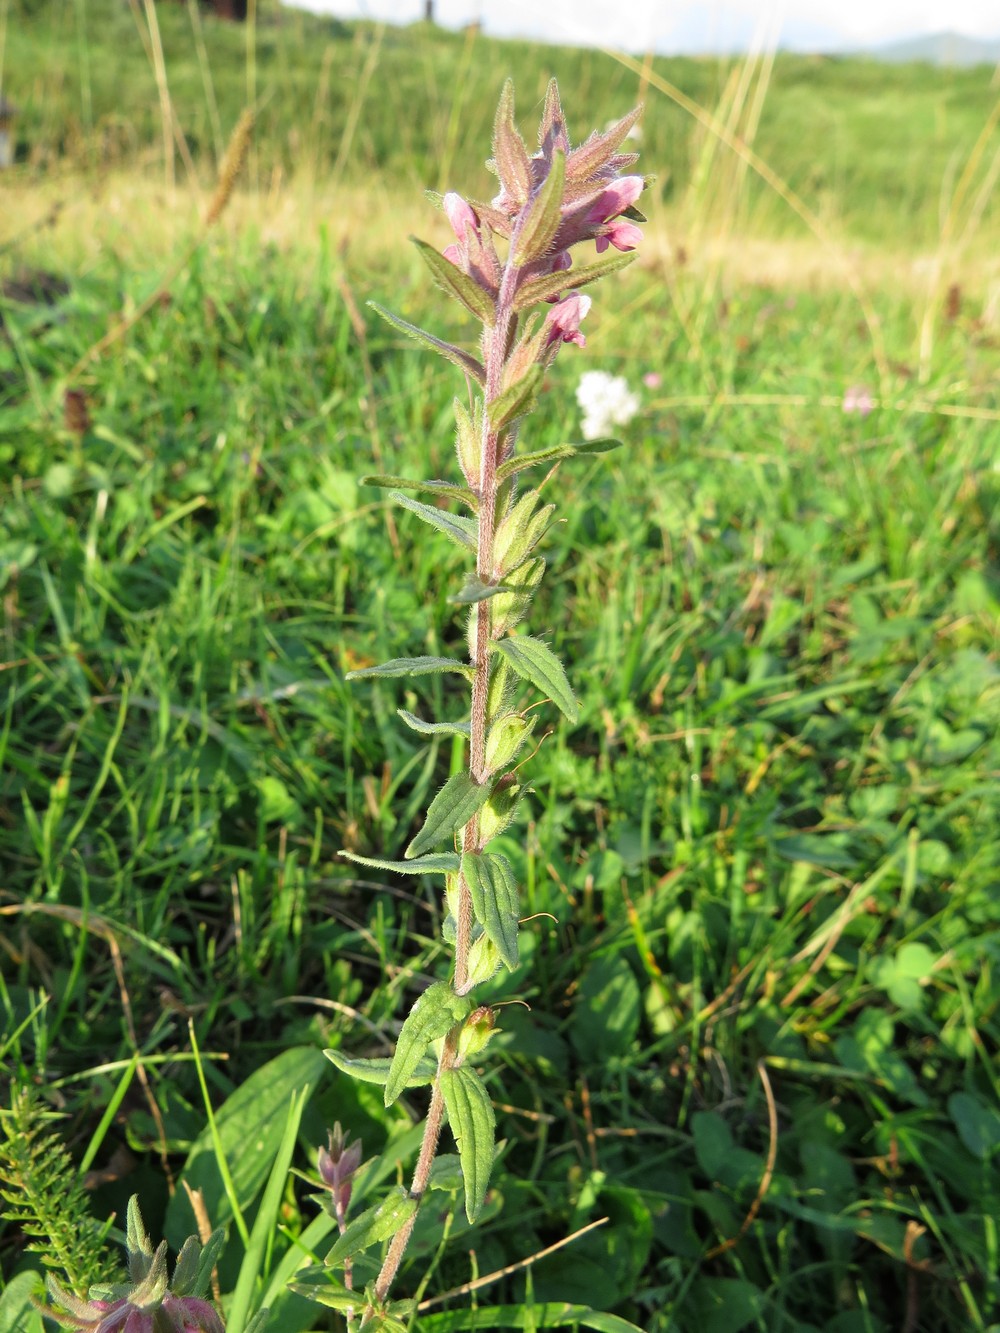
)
(553, 284)
(454, 354)
(444, 489)
(411, 666)
(446, 1173)
(18, 1313)
(374, 1225)
(433, 728)
(515, 400)
(437, 863)
(474, 591)
(377, 1070)
(463, 531)
(978, 1124)
(494, 900)
(553, 455)
(452, 280)
(451, 809)
(470, 1115)
(607, 1009)
(536, 662)
(433, 1015)
(250, 1123)
(542, 215)
(328, 1291)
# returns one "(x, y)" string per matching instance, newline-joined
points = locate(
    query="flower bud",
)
(476, 1032)
(337, 1166)
(505, 738)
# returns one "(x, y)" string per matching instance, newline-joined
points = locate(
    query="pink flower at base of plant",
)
(563, 320)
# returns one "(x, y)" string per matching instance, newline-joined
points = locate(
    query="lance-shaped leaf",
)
(543, 456)
(541, 217)
(494, 900)
(433, 729)
(535, 661)
(510, 156)
(515, 400)
(439, 863)
(540, 289)
(597, 151)
(376, 1070)
(452, 808)
(374, 1225)
(433, 1015)
(473, 590)
(326, 1291)
(470, 1115)
(461, 530)
(456, 283)
(454, 354)
(446, 490)
(411, 666)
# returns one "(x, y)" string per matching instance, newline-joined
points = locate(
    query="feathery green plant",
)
(548, 204)
(44, 1197)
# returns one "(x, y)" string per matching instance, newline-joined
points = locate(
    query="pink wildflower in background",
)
(858, 399)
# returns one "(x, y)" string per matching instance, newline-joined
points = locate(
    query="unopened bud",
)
(476, 1032)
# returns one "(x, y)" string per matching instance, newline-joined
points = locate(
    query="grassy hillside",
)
(763, 1029)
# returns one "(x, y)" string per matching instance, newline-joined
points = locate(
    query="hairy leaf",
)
(540, 289)
(474, 591)
(433, 728)
(433, 1015)
(376, 1070)
(535, 661)
(411, 666)
(454, 354)
(553, 455)
(456, 283)
(470, 1115)
(510, 156)
(446, 489)
(437, 863)
(542, 216)
(453, 806)
(493, 887)
(515, 400)
(461, 530)
(374, 1225)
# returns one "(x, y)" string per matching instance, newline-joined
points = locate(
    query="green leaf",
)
(553, 284)
(515, 400)
(452, 280)
(411, 666)
(542, 456)
(437, 863)
(376, 1070)
(542, 215)
(474, 591)
(18, 1313)
(452, 808)
(433, 728)
(433, 1015)
(327, 1292)
(493, 888)
(510, 156)
(251, 1124)
(374, 1225)
(445, 489)
(454, 354)
(470, 1115)
(463, 531)
(536, 662)
(978, 1124)
(553, 1314)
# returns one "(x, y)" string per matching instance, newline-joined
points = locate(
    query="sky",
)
(685, 26)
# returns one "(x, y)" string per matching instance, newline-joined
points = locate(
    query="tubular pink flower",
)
(563, 320)
(618, 196)
(460, 214)
(622, 235)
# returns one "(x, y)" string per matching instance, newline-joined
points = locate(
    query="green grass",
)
(769, 845)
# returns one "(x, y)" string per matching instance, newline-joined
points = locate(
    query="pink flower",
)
(338, 1165)
(618, 196)
(563, 320)
(622, 235)
(857, 399)
(460, 214)
(652, 379)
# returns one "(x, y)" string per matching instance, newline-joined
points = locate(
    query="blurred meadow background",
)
(762, 870)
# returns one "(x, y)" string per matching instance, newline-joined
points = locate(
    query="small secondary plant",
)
(511, 258)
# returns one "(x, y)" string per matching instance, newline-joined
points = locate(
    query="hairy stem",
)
(496, 340)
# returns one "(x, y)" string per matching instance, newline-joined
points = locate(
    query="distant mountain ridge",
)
(940, 48)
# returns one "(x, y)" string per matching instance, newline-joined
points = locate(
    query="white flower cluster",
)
(606, 401)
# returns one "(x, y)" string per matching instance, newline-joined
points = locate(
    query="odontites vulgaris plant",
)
(516, 266)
